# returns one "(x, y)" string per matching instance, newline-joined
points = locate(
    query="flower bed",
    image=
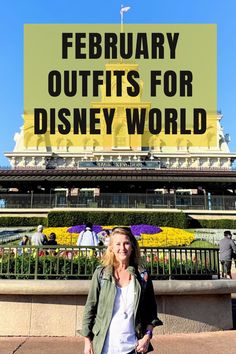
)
(168, 236)
(63, 237)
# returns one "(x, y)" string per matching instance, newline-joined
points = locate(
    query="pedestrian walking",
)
(227, 249)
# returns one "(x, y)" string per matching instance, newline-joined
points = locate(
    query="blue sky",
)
(15, 13)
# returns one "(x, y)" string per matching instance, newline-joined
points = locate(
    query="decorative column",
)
(177, 162)
(168, 165)
(33, 161)
(13, 162)
(43, 161)
(23, 161)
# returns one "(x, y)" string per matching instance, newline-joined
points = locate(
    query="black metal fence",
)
(64, 262)
(119, 200)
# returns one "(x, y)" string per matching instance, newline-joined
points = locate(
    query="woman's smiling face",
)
(121, 247)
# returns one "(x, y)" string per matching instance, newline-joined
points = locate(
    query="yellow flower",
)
(62, 236)
(169, 236)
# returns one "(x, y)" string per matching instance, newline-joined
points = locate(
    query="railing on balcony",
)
(119, 200)
(66, 262)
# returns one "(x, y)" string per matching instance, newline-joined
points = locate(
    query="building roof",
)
(97, 174)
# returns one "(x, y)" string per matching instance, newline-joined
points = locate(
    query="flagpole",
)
(121, 20)
(123, 9)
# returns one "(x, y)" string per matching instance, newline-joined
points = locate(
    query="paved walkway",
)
(197, 343)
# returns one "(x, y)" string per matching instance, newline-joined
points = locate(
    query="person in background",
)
(52, 242)
(23, 242)
(38, 238)
(227, 248)
(120, 312)
(52, 239)
(107, 238)
(234, 255)
(87, 237)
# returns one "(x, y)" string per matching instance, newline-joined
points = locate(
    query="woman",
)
(52, 242)
(23, 242)
(52, 239)
(120, 311)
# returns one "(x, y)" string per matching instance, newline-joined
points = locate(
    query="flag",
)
(124, 9)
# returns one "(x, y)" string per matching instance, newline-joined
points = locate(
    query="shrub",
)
(62, 267)
(71, 218)
(202, 244)
(212, 223)
(47, 267)
(8, 221)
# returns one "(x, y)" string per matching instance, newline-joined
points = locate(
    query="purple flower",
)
(145, 229)
(78, 228)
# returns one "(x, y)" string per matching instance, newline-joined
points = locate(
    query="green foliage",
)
(177, 269)
(212, 223)
(46, 267)
(71, 218)
(202, 244)
(9, 221)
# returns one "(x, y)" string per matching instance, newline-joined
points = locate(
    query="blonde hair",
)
(109, 258)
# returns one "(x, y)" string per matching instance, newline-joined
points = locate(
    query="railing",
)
(59, 262)
(182, 262)
(119, 200)
(157, 165)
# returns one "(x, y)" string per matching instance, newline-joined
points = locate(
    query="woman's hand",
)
(143, 344)
(88, 346)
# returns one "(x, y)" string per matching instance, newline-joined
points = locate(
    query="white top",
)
(37, 239)
(120, 336)
(87, 238)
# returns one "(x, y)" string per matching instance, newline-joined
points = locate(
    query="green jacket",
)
(100, 302)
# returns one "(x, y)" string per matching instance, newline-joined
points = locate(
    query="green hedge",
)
(71, 218)
(9, 221)
(212, 224)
